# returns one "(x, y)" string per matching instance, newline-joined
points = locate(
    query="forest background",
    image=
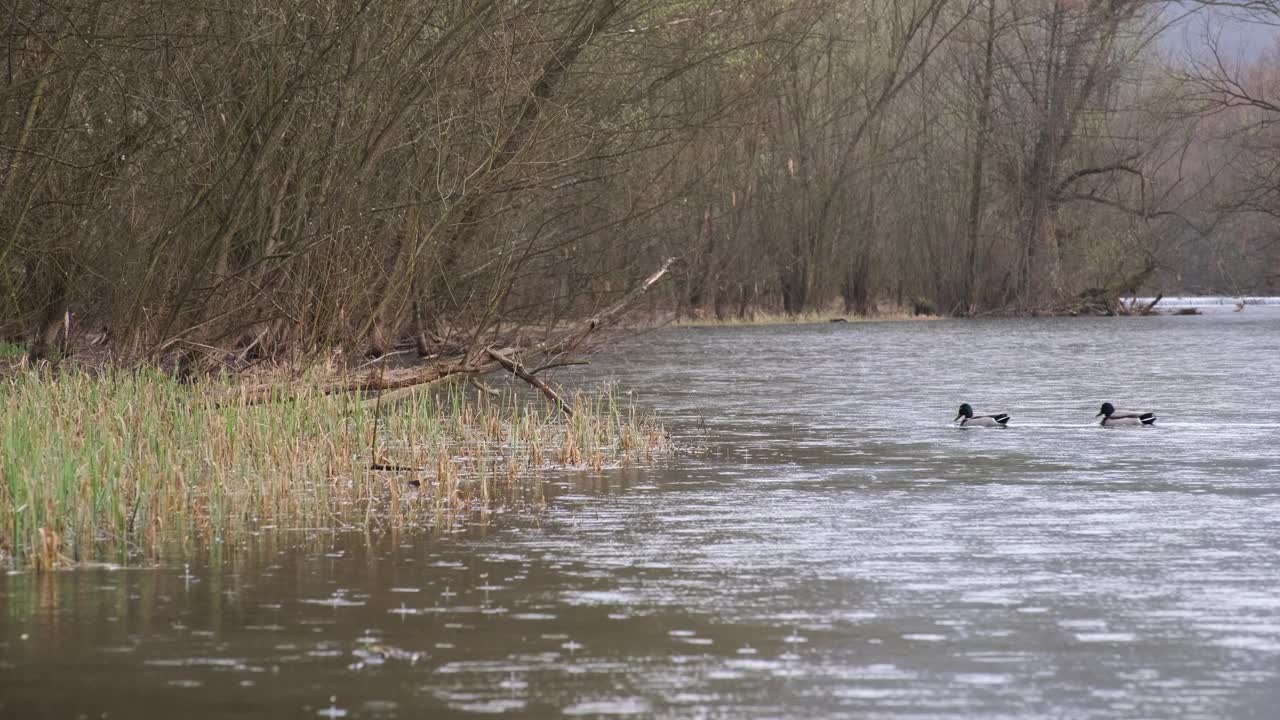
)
(297, 176)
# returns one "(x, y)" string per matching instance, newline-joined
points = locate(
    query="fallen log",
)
(558, 352)
(371, 380)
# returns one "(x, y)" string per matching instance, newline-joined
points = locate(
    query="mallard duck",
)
(966, 412)
(1110, 416)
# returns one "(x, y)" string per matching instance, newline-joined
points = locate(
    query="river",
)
(826, 544)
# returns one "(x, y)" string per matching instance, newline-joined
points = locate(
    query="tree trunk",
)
(983, 121)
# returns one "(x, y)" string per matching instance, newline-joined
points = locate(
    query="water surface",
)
(826, 545)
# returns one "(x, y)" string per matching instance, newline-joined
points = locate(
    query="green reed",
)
(116, 468)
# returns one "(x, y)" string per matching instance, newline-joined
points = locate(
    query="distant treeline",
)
(286, 175)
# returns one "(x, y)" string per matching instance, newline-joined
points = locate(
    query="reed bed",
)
(126, 466)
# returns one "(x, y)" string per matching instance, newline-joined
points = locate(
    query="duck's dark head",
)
(965, 412)
(1107, 410)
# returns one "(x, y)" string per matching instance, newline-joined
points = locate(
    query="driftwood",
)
(1133, 307)
(392, 467)
(1106, 300)
(557, 352)
(1102, 301)
(1149, 307)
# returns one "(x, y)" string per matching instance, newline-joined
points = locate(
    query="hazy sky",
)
(1239, 36)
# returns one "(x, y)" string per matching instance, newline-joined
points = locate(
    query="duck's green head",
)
(965, 412)
(1107, 410)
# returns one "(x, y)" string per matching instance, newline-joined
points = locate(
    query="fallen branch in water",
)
(514, 367)
(557, 352)
(475, 383)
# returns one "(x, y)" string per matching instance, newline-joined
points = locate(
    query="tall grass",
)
(120, 467)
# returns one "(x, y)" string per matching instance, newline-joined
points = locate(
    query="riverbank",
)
(125, 465)
(798, 319)
(764, 315)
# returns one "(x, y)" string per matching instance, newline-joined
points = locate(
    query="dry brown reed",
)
(122, 466)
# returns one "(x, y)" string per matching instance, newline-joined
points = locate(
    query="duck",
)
(1110, 416)
(966, 412)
